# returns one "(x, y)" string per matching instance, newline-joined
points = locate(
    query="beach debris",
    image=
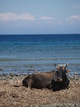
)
(1, 69)
(76, 77)
(2, 93)
(12, 74)
(35, 71)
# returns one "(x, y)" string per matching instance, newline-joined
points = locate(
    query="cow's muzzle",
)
(60, 79)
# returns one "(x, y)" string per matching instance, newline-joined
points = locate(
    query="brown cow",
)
(49, 80)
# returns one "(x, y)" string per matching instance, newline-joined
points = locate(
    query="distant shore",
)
(13, 94)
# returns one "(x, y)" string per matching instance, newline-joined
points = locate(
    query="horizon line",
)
(45, 34)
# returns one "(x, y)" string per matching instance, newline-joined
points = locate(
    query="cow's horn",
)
(66, 66)
(56, 65)
(60, 65)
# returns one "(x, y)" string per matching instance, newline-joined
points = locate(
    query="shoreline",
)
(21, 65)
(11, 75)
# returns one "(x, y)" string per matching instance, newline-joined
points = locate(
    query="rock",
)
(1, 69)
(12, 74)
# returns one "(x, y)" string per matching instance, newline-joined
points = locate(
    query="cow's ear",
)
(63, 68)
(66, 66)
(67, 71)
(55, 65)
(58, 67)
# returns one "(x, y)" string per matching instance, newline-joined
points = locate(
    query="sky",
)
(39, 16)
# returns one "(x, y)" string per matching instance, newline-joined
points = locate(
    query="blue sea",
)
(23, 54)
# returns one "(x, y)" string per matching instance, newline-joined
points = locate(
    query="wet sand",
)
(13, 94)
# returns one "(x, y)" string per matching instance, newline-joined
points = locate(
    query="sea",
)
(22, 54)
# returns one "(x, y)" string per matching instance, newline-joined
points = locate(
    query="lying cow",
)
(52, 80)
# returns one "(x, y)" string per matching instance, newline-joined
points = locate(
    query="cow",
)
(40, 80)
(55, 80)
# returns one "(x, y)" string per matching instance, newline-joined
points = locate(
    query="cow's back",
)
(42, 80)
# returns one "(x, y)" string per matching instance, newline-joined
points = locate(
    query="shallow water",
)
(25, 53)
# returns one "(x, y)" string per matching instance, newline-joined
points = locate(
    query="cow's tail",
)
(25, 82)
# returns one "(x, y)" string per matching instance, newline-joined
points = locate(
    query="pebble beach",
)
(13, 94)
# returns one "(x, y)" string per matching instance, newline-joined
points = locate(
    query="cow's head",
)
(61, 72)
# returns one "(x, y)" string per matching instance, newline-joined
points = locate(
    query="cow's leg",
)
(29, 87)
(49, 86)
(29, 84)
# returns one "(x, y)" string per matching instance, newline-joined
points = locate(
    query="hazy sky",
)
(39, 16)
